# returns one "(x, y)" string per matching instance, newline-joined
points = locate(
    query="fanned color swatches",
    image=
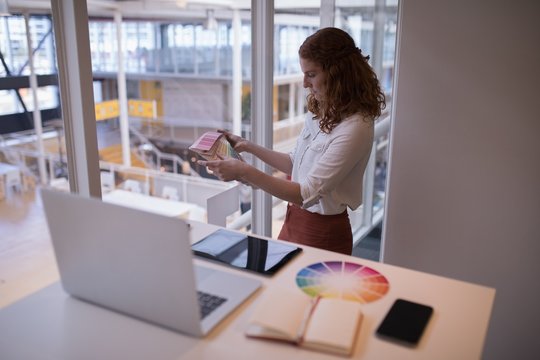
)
(343, 280)
(214, 146)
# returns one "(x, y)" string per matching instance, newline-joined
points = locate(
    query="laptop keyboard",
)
(208, 303)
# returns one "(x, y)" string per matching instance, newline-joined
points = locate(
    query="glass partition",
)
(181, 72)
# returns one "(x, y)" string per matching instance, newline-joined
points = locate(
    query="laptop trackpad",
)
(224, 284)
(202, 273)
(235, 289)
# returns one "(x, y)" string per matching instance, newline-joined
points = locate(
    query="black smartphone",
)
(405, 322)
(245, 252)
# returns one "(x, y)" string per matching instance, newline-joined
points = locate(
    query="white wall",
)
(463, 193)
(194, 103)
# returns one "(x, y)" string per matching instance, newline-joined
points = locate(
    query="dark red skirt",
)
(328, 232)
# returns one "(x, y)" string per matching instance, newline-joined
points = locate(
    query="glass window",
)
(7, 102)
(372, 25)
(181, 71)
(14, 49)
(47, 96)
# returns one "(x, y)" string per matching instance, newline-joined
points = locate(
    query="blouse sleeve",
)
(348, 147)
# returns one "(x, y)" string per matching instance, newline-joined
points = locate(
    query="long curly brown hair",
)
(351, 84)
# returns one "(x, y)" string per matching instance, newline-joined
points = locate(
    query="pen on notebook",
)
(305, 319)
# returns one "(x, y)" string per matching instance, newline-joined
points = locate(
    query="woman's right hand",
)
(237, 142)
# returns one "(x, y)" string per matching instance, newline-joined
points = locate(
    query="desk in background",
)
(61, 184)
(10, 176)
(153, 204)
(52, 325)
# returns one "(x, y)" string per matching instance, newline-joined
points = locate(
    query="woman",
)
(332, 151)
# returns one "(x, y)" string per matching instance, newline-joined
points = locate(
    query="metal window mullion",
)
(8, 57)
(237, 72)
(174, 51)
(327, 13)
(50, 49)
(262, 55)
(122, 91)
(369, 187)
(379, 20)
(292, 98)
(75, 80)
(37, 110)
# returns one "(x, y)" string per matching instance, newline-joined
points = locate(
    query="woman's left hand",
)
(226, 169)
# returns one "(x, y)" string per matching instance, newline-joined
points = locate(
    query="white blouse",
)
(330, 167)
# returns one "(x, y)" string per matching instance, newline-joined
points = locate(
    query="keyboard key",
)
(208, 303)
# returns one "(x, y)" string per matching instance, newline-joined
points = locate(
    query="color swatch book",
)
(213, 145)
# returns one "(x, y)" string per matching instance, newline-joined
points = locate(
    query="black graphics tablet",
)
(245, 252)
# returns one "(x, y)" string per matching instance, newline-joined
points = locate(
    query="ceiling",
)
(183, 8)
(163, 8)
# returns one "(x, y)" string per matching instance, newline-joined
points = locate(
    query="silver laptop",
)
(138, 263)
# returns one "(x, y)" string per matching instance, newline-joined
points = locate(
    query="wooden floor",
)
(27, 261)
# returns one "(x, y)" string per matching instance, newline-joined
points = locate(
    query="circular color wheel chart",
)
(343, 280)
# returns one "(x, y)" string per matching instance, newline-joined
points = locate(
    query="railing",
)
(152, 156)
(367, 216)
(200, 192)
(26, 136)
(195, 190)
(27, 161)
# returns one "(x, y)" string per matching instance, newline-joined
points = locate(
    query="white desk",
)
(61, 184)
(51, 325)
(153, 204)
(11, 176)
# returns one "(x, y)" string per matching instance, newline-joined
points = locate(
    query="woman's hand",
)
(237, 142)
(233, 169)
(226, 169)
